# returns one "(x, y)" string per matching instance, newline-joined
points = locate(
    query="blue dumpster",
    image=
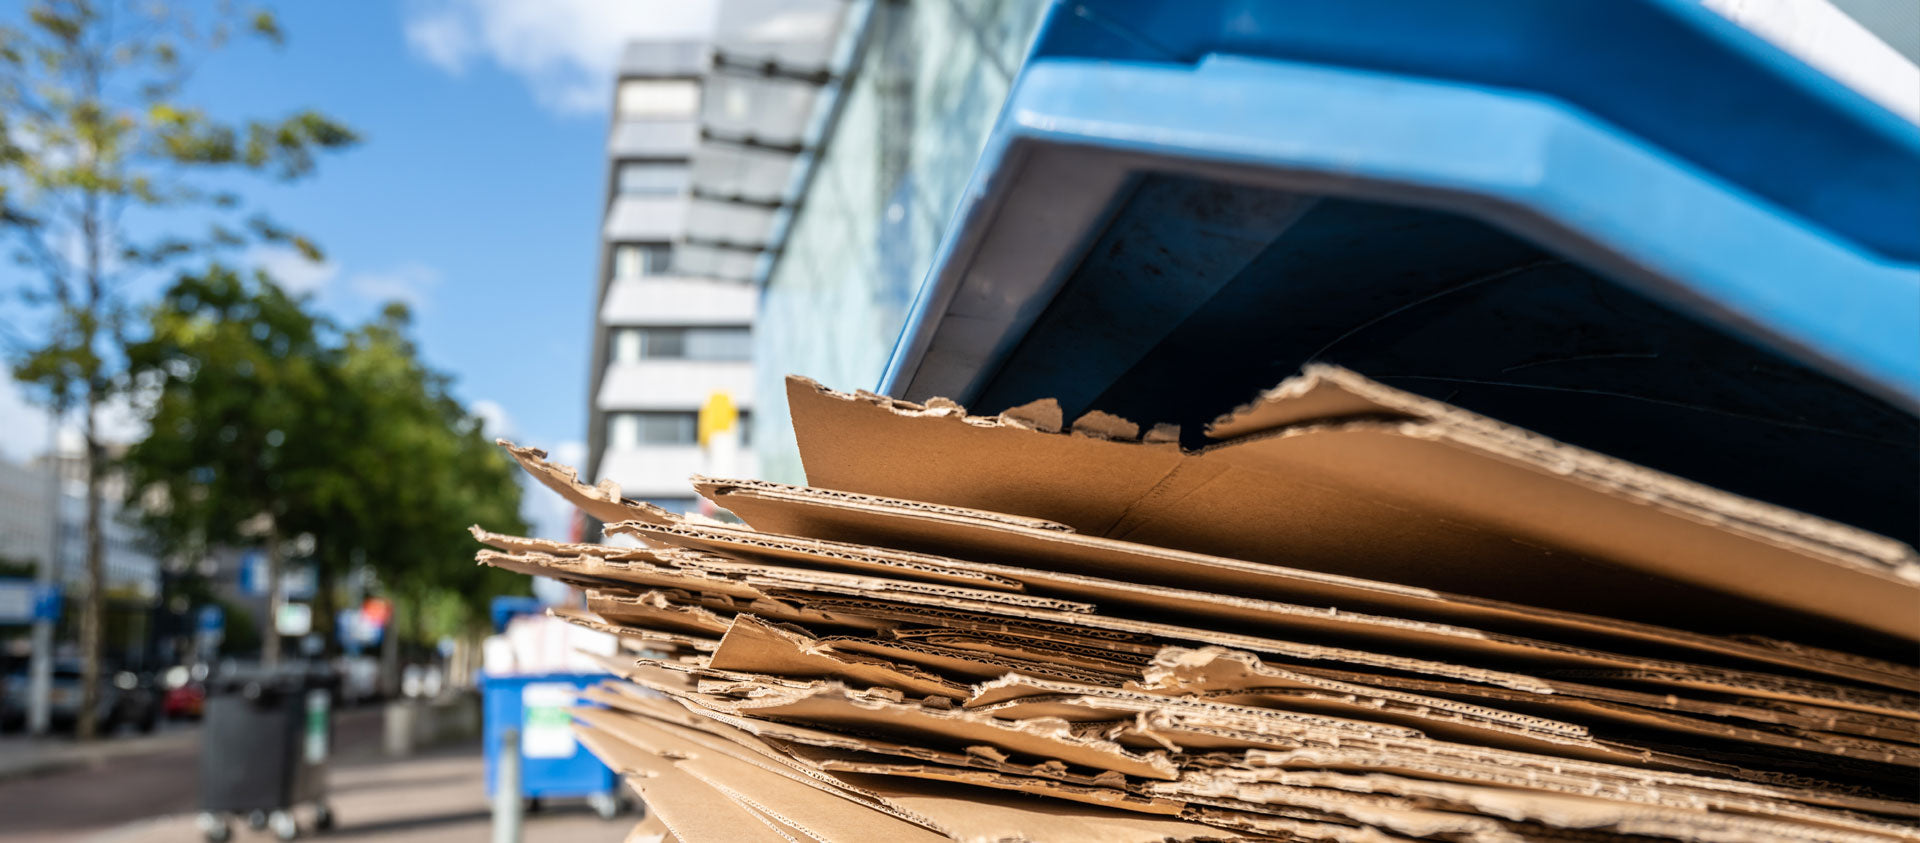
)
(554, 765)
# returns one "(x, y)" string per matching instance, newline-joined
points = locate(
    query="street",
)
(137, 789)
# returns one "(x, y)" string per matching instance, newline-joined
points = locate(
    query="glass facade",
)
(924, 96)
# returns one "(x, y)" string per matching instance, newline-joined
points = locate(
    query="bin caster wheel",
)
(215, 829)
(283, 824)
(322, 818)
(607, 805)
(256, 820)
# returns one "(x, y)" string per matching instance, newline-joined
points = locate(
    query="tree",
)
(236, 382)
(93, 126)
(262, 413)
(425, 470)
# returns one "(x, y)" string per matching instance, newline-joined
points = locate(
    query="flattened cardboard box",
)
(1332, 472)
(779, 509)
(892, 668)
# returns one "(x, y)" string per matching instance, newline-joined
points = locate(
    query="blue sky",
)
(475, 195)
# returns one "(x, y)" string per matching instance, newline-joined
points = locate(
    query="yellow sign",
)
(716, 415)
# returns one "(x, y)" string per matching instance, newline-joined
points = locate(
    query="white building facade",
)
(667, 337)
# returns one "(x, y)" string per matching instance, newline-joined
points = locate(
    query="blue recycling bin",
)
(554, 764)
(1630, 225)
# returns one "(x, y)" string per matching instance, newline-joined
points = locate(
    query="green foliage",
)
(258, 406)
(237, 387)
(92, 125)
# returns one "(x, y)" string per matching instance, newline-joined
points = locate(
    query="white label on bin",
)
(546, 729)
(316, 730)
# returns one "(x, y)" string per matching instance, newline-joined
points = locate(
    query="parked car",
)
(125, 698)
(185, 694)
(186, 702)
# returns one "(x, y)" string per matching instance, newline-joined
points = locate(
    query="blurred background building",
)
(43, 515)
(667, 335)
(805, 161)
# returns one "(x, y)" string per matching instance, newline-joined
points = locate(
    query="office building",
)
(666, 336)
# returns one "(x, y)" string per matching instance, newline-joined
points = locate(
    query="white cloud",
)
(493, 419)
(291, 269)
(573, 453)
(565, 50)
(25, 425)
(408, 283)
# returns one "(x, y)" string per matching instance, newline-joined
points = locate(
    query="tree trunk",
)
(93, 615)
(270, 642)
(326, 602)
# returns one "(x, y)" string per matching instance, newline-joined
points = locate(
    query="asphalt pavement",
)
(135, 789)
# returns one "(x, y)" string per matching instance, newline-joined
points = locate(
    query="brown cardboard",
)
(1214, 673)
(1030, 650)
(1446, 500)
(834, 705)
(653, 639)
(971, 815)
(603, 501)
(786, 797)
(777, 508)
(1389, 802)
(1723, 681)
(690, 809)
(1120, 599)
(812, 683)
(1674, 792)
(843, 761)
(754, 646)
(657, 610)
(968, 664)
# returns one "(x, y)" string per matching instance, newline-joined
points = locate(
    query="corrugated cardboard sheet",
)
(1359, 616)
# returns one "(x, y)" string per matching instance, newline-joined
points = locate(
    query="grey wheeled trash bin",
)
(264, 750)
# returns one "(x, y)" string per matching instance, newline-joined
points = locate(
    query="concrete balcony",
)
(673, 384)
(678, 300)
(661, 471)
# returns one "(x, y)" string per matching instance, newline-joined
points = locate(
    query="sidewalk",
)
(137, 789)
(435, 799)
(22, 756)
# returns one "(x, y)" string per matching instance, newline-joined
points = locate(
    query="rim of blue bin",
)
(1625, 203)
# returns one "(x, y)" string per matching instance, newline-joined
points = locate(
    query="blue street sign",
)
(47, 603)
(24, 601)
(253, 573)
(211, 619)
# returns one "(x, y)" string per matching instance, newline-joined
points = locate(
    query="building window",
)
(658, 98)
(639, 260)
(631, 345)
(649, 178)
(626, 431)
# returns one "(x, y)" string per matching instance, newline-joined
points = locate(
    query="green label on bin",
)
(546, 728)
(316, 730)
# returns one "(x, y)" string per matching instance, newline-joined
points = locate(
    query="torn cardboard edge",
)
(1449, 484)
(602, 501)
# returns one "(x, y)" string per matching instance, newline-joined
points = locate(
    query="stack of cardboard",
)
(1361, 616)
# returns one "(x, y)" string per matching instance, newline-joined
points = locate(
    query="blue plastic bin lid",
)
(1627, 224)
(503, 609)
